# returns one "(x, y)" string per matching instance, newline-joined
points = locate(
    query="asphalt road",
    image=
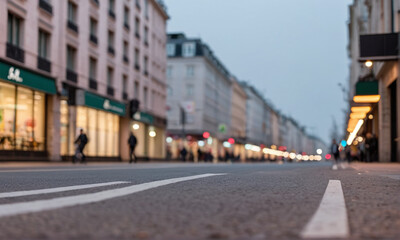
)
(249, 201)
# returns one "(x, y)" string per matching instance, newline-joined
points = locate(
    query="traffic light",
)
(133, 107)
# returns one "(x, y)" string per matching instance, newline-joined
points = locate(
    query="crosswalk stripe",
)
(55, 203)
(330, 220)
(55, 190)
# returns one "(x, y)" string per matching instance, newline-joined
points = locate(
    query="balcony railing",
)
(72, 76)
(92, 83)
(15, 53)
(93, 39)
(110, 91)
(71, 25)
(46, 6)
(43, 64)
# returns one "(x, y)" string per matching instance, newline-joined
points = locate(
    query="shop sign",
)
(367, 88)
(144, 117)
(27, 78)
(222, 128)
(101, 103)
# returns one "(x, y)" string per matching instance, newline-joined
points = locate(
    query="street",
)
(199, 201)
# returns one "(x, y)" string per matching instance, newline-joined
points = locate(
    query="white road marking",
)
(330, 220)
(58, 189)
(55, 203)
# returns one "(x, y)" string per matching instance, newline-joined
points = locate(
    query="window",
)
(110, 76)
(71, 58)
(137, 3)
(170, 92)
(137, 27)
(170, 49)
(169, 71)
(136, 57)
(146, 33)
(92, 68)
(93, 27)
(111, 6)
(126, 17)
(125, 51)
(136, 90)
(189, 90)
(110, 39)
(43, 47)
(188, 49)
(145, 97)
(14, 30)
(145, 64)
(189, 71)
(146, 8)
(71, 12)
(124, 83)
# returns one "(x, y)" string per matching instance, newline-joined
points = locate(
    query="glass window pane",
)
(101, 145)
(81, 123)
(7, 116)
(39, 121)
(110, 137)
(92, 132)
(116, 136)
(64, 116)
(10, 28)
(24, 123)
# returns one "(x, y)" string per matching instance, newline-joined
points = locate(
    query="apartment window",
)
(169, 71)
(170, 92)
(14, 30)
(124, 87)
(125, 51)
(137, 27)
(136, 90)
(111, 8)
(126, 17)
(71, 12)
(110, 76)
(189, 90)
(146, 33)
(93, 27)
(170, 49)
(92, 68)
(146, 8)
(111, 42)
(137, 58)
(188, 49)
(137, 3)
(71, 58)
(44, 40)
(145, 65)
(145, 97)
(189, 71)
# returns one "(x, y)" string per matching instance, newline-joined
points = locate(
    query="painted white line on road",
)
(55, 190)
(330, 220)
(55, 203)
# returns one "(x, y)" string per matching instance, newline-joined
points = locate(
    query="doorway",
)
(393, 121)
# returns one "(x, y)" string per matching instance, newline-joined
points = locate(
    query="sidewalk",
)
(391, 170)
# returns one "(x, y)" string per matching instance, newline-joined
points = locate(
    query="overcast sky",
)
(293, 51)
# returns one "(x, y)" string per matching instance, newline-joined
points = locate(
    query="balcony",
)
(93, 39)
(111, 50)
(111, 13)
(92, 84)
(110, 91)
(71, 25)
(72, 76)
(125, 58)
(125, 96)
(46, 6)
(43, 64)
(15, 53)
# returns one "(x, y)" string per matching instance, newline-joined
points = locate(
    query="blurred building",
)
(238, 116)
(70, 64)
(199, 98)
(374, 118)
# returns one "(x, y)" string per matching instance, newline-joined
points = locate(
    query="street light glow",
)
(135, 126)
(369, 64)
(319, 151)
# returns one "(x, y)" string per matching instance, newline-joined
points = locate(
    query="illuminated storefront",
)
(23, 111)
(99, 117)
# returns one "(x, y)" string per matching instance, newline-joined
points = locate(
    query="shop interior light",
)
(355, 131)
(319, 151)
(226, 144)
(366, 98)
(371, 116)
(135, 126)
(358, 115)
(200, 143)
(169, 140)
(152, 133)
(364, 109)
(369, 64)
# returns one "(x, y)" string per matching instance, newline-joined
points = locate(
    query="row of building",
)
(102, 66)
(210, 110)
(373, 114)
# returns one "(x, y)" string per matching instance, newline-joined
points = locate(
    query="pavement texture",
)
(252, 201)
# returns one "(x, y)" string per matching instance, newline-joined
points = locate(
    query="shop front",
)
(23, 111)
(99, 117)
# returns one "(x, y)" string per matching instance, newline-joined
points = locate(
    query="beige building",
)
(238, 122)
(69, 64)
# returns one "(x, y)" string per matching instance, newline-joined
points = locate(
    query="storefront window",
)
(91, 132)
(64, 127)
(22, 119)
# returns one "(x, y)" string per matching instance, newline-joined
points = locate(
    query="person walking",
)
(183, 154)
(335, 154)
(81, 141)
(132, 141)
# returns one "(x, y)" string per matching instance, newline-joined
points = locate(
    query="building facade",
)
(75, 65)
(238, 116)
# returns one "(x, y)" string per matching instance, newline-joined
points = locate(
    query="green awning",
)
(27, 78)
(367, 88)
(105, 104)
(144, 117)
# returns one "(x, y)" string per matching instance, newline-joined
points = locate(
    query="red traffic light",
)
(231, 140)
(328, 156)
(206, 135)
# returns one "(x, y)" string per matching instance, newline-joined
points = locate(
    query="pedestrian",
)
(183, 154)
(335, 154)
(132, 141)
(81, 141)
